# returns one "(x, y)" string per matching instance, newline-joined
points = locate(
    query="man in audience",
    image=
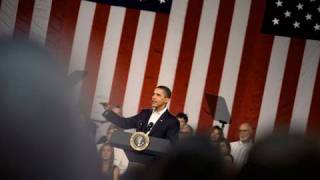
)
(185, 129)
(107, 137)
(240, 149)
(104, 125)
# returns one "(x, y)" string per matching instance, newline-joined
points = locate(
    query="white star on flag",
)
(287, 14)
(308, 16)
(275, 21)
(162, 1)
(296, 24)
(300, 6)
(279, 3)
(295, 18)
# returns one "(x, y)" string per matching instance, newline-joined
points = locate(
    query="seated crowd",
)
(228, 160)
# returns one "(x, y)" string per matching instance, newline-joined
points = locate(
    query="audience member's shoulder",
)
(189, 127)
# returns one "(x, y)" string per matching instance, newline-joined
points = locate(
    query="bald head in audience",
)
(240, 148)
(245, 132)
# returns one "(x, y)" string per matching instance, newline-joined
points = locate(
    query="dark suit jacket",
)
(166, 127)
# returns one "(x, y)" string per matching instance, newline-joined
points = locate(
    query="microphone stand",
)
(223, 123)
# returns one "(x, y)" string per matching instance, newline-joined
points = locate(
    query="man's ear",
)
(166, 99)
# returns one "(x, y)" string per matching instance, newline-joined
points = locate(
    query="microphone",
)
(149, 126)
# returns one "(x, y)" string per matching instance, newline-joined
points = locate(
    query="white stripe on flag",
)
(233, 54)
(306, 84)
(273, 86)
(40, 20)
(138, 63)
(8, 15)
(81, 41)
(172, 43)
(201, 60)
(108, 60)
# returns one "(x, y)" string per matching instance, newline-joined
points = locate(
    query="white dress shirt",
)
(239, 151)
(155, 117)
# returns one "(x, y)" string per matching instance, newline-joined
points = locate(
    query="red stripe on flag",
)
(313, 126)
(289, 85)
(98, 32)
(216, 63)
(119, 82)
(61, 28)
(188, 43)
(154, 59)
(24, 18)
(253, 72)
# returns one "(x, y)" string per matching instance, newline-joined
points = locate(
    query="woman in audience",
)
(109, 171)
(225, 149)
(120, 158)
(230, 171)
(216, 134)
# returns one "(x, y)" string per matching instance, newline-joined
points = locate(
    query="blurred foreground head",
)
(42, 134)
(283, 156)
(192, 158)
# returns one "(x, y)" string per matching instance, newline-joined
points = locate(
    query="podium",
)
(157, 147)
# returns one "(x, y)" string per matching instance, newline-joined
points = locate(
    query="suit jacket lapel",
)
(159, 122)
(144, 122)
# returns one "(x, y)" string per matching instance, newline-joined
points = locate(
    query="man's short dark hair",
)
(183, 116)
(166, 90)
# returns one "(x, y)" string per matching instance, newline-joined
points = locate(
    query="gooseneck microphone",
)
(149, 126)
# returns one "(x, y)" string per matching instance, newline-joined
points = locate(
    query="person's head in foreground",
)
(42, 133)
(283, 156)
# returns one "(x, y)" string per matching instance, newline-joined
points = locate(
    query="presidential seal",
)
(139, 141)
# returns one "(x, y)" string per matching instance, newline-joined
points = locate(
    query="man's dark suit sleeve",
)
(125, 123)
(173, 130)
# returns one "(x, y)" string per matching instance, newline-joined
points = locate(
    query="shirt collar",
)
(161, 112)
(246, 144)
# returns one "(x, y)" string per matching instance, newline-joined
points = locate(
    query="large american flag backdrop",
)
(200, 47)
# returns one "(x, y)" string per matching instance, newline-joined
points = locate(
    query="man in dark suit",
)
(156, 122)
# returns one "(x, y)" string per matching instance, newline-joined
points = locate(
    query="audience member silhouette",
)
(193, 158)
(42, 134)
(283, 157)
